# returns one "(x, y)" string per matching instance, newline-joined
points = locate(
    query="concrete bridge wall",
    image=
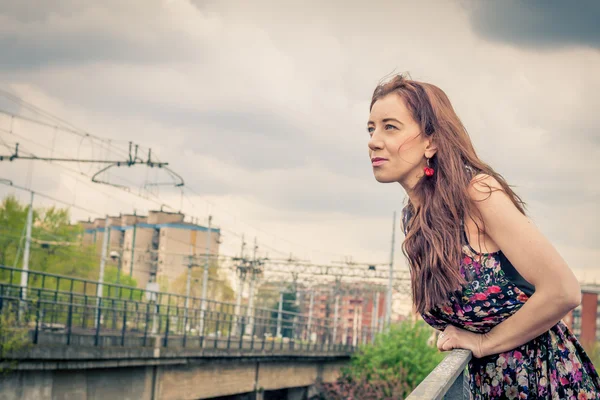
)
(69, 373)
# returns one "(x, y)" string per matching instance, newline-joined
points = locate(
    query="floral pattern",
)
(551, 366)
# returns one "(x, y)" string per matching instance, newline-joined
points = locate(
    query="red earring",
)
(428, 170)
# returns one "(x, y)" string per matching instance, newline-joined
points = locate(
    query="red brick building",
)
(584, 320)
(360, 310)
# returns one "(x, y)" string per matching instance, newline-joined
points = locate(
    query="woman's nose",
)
(375, 144)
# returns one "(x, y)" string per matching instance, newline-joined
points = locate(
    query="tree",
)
(55, 246)
(391, 368)
(13, 335)
(12, 223)
(269, 298)
(218, 289)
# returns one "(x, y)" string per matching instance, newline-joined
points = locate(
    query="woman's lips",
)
(377, 161)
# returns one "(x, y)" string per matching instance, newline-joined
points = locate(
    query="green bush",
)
(392, 367)
(593, 351)
(13, 335)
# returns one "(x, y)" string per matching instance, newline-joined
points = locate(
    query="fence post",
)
(229, 336)
(185, 321)
(98, 317)
(241, 346)
(37, 316)
(146, 324)
(166, 341)
(217, 330)
(70, 319)
(124, 328)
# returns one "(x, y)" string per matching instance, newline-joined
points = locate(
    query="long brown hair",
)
(434, 228)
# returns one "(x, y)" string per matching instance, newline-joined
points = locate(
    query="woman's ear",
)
(431, 148)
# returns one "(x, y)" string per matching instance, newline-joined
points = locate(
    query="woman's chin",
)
(384, 178)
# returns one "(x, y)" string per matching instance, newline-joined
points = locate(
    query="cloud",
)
(538, 24)
(261, 107)
(67, 32)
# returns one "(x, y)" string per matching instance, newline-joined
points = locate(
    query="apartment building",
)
(152, 248)
(584, 321)
(361, 309)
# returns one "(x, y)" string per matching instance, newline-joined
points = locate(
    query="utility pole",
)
(295, 291)
(241, 279)
(250, 310)
(279, 313)
(388, 306)
(310, 312)
(355, 326)
(335, 313)
(119, 266)
(24, 274)
(132, 249)
(188, 284)
(344, 340)
(102, 265)
(374, 315)
(118, 255)
(205, 276)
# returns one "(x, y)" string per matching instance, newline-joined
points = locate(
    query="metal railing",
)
(66, 310)
(447, 380)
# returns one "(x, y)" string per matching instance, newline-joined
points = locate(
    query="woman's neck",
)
(412, 196)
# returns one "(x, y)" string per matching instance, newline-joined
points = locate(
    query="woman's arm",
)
(557, 290)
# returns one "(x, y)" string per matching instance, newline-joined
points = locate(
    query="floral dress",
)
(551, 366)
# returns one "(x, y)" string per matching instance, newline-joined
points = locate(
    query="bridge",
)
(81, 339)
(87, 340)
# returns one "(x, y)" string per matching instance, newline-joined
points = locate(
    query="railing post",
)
(217, 330)
(55, 301)
(229, 336)
(253, 332)
(70, 319)
(166, 341)
(185, 321)
(98, 317)
(85, 310)
(242, 330)
(37, 316)
(114, 312)
(124, 328)
(146, 324)
(203, 330)
(155, 312)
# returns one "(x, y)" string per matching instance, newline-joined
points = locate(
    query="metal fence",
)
(73, 311)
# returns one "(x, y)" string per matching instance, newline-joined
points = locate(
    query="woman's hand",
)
(456, 338)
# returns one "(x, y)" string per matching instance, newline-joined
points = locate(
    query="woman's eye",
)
(388, 126)
(370, 129)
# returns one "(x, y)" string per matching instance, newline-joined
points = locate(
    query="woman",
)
(481, 272)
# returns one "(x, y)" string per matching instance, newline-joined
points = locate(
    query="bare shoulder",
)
(485, 191)
(482, 186)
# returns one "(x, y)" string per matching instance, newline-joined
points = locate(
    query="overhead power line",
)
(133, 159)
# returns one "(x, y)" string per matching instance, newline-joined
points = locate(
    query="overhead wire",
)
(72, 129)
(157, 201)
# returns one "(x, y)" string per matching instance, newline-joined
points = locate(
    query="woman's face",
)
(396, 147)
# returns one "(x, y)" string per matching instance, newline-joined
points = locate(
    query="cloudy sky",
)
(261, 106)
